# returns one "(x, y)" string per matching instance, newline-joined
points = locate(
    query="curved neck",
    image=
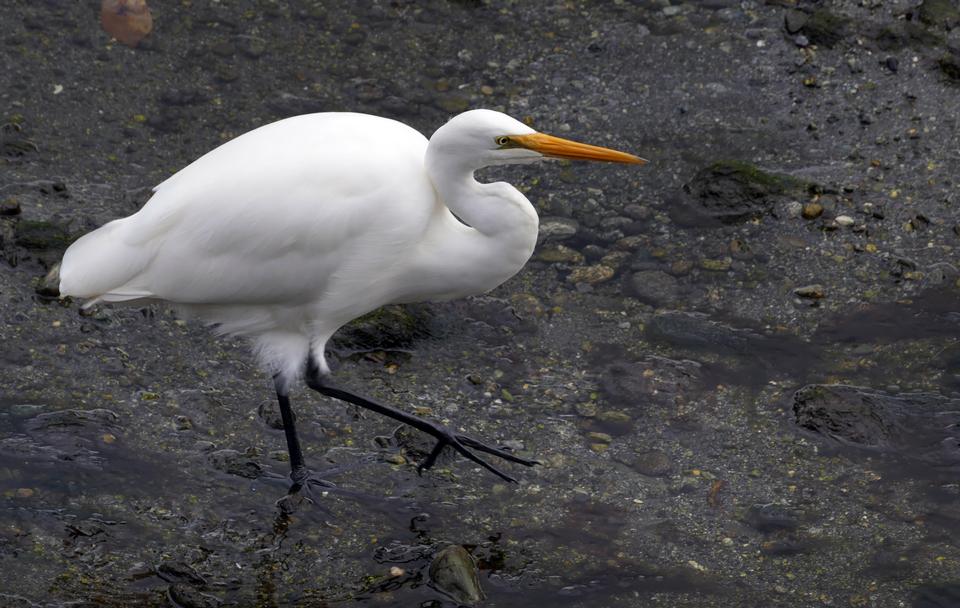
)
(454, 259)
(496, 210)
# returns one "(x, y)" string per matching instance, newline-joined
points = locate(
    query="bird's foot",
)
(446, 437)
(307, 488)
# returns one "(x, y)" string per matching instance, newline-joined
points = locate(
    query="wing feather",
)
(269, 217)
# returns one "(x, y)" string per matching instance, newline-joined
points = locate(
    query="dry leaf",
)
(129, 21)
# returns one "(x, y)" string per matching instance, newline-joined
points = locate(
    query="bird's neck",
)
(494, 237)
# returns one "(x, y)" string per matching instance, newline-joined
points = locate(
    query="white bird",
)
(288, 232)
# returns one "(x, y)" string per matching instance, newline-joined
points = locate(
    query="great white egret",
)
(288, 232)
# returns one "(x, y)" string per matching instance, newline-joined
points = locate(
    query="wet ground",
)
(739, 365)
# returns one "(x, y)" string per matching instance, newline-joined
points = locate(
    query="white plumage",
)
(291, 230)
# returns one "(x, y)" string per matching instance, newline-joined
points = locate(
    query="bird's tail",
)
(102, 266)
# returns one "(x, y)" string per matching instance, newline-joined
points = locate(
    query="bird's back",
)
(275, 216)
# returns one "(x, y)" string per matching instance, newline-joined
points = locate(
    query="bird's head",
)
(482, 138)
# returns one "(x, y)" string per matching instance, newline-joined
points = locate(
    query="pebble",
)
(794, 20)
(844, 220)
(526, 304)
(812, 210)
(557, 253)
(794, 209)
(591, 275)
(395, 459)
(719, 265)
(655, 463)
(637, 212)
(681, 267)
(814, 291)
(10, 206)
(615, 259)
(235, 463)
(558, 228)
(587, 409)
(653, 287)
(597, 437)
(253, 47)
(49, 286)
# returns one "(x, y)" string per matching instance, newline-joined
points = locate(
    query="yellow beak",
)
(556, 147)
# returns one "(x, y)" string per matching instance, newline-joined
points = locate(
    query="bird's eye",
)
(503, 140)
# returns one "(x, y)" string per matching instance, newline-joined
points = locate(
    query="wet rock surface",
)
(738, 365)
(921, 426)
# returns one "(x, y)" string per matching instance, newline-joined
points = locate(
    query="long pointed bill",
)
(556, 147)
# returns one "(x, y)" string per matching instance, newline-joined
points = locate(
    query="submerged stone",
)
(950, 66)
(31, 234)
(652, 287)
(825, 28)
(390, 327)
(942, 13)
(918, 426)
(235, 463)
(454, 572)
(732, 191)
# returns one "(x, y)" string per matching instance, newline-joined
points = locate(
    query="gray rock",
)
(235, 463)
(699, 331)
(454, 572)
(824, 28)
(771, 518)
(653, 381)
(815, 291)
(941, 13)
(735, 191)
(557, 228)
(49, 286)
(916, 426)
(794, 20)
(188, 596)
(654, 463)
(654, 287)
(174, 571)
(10, 206)
(269, 412)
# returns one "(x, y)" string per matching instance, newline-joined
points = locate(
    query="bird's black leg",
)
(299, 473)
(298, 467)
(320, 383)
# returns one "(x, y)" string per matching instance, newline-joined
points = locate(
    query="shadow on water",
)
(901, 348)
(96, 496)
(747, 356)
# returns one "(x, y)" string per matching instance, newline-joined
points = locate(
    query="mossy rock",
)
(41, 235)
(950, 66)
(942, 13)
(389, 327)
(733, 191)
(824, 28)
(905, 34)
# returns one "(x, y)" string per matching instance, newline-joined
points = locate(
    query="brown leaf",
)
(713, 496)
(129, 21)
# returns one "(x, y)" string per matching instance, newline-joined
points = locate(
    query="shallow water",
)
(708, 437)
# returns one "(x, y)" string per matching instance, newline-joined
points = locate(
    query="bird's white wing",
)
(269, 217)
